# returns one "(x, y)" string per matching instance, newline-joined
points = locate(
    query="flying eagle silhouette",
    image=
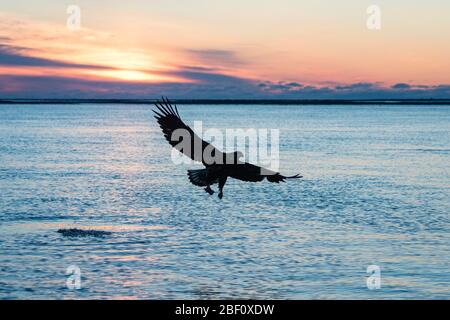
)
(218, 165)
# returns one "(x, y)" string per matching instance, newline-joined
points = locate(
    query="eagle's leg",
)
(209, 190)
(222, 182)
(208, 180)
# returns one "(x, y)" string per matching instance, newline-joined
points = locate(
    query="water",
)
(375, 192)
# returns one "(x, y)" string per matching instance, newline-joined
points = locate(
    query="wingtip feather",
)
(165, 107)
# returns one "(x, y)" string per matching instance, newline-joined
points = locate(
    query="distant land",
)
(232, 101)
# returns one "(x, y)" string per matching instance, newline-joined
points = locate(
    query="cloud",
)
(359, 90)
(401, 86)
(360, 86)
(207, 77)
(217, 86)
(197, 69)
(215, 58)
(280, 86)
(14, 56)
(203, 86)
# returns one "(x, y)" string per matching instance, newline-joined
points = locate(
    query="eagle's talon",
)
(220, 195)
(209, 190)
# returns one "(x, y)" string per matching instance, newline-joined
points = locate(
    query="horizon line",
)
(423, 101)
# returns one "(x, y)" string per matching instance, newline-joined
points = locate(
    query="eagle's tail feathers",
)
(198, 178)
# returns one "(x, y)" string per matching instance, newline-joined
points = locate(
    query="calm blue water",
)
(375, 192)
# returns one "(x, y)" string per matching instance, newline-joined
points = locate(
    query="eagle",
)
(219, 166)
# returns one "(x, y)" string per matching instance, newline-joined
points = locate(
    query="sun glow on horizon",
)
(132, 75)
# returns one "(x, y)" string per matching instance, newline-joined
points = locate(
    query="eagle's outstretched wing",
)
(249, 172)
(179, 135)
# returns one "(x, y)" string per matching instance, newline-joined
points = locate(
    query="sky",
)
(225, 49)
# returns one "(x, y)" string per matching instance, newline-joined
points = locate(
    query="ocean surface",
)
(376, 191)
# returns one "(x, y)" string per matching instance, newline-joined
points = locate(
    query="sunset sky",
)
(225, 49)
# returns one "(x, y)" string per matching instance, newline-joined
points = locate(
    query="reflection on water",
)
(375, 192)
